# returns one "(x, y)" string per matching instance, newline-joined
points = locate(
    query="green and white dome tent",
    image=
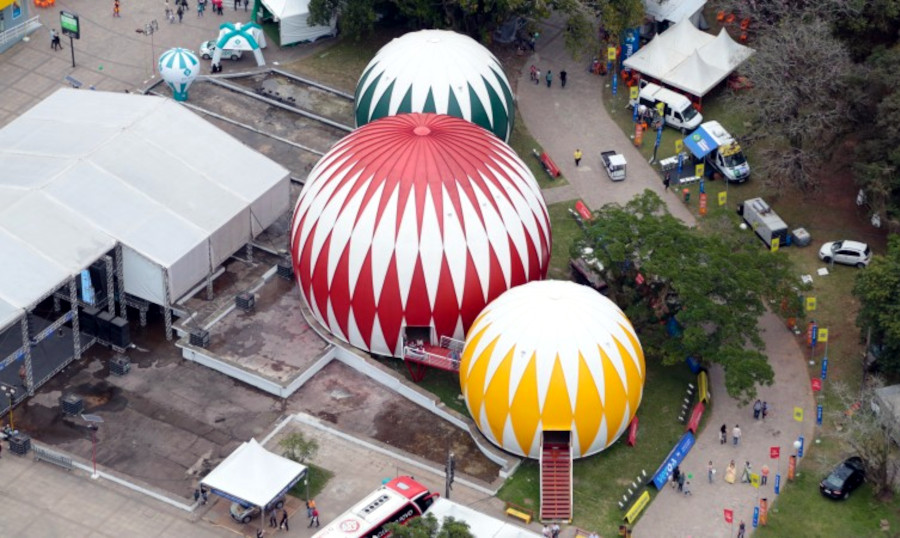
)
(441, 72)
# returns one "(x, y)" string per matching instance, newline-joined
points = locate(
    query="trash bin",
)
(686, 195)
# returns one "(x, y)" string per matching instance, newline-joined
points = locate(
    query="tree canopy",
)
(428, 526)
(712, 285)
(878, 290)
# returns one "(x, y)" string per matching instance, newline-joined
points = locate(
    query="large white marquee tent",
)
(689, 59)
(84, 172)
(292, 17)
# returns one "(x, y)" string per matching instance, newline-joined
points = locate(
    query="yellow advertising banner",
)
(637, 507)
(810, 304)
(633, 92)
(703, 384)
(798, 414)
(775, 244)
(679, 145)
(723, 198)
(823, 335)
(698, 170)
(611, 53)
(754, 480)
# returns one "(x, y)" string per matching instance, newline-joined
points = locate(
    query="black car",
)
(846, 477)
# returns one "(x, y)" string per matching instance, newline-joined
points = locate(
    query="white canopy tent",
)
(482, 525)
(253, 476)
(689, 59)
(293, 26)
(85, 171)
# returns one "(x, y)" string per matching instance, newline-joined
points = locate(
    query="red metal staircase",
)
(445, 356)
(556, 476)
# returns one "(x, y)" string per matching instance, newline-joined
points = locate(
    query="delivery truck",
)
(764, 221)
(678, 111)
(721, 152)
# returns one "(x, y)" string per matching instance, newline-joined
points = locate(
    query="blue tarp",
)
(700, 143)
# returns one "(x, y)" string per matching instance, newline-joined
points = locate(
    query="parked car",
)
(846, 477)
(244, 513)
(208, 48)
(846, 252)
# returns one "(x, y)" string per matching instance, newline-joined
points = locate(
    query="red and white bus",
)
(398, 501)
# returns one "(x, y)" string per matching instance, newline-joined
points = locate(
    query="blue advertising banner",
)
(87, 288)
(755, 517)
(680, 163)
(819, 415)
(674, 458)
(700, 143)
(777, 484)
(634, 113)
(824, 368)
(800, 450)
(615, 83)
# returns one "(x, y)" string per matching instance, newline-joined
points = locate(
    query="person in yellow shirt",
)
(578, 155)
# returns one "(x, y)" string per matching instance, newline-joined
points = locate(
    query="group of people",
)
(54, 40)
(536, 76)
(680, 480)
(760, 410)
(551, 531)
(735, 434)
(276, 523)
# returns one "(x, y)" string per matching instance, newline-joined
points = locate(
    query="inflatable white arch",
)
(237, 36)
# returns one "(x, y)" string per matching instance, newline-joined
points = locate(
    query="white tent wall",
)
(269, 206)
(293, 26)
(9, 315)
(143, 278)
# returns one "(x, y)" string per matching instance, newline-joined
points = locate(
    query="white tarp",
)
(481, 525)
(84, 170)
(291, 16)
(689, 59)
(254, 475)
(672, 10)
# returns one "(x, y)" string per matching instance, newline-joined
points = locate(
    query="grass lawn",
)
(318, 478)
(565, 232)
(602, 479)
(522, 142)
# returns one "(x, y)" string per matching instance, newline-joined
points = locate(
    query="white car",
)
(846, 252)
(208, 48)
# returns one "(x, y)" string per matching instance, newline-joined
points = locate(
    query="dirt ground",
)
(358, 405)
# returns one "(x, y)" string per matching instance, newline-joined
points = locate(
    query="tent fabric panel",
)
(28, 171)
(191, 269)
(26, 274)
(695, 76)
(270, 205)
(230, 237)
(9, 315)
(292, 26)
(57, 232)
(143, 278)
(53, 137)
(253, 473)
(672, 10)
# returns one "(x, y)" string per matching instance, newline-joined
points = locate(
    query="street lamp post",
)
(11, 393)
(94, 422)
(149, 29)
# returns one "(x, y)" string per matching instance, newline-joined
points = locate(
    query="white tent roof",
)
(672, 10)
(85, 170)
(689, 59)
(292, 21)
(482, 525)
(253, 474)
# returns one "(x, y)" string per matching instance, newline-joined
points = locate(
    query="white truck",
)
(615, 165)
(720, 150)
(678, 111)
(764, 221)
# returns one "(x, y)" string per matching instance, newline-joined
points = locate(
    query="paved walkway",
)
(563, 119)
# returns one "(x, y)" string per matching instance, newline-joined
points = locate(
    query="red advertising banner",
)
(729, 516)
(583, 210)
(632, 431)
(694, 422)
(639, 279)
(774, 452)
(702, 203)
(638, 134)
(816, 384)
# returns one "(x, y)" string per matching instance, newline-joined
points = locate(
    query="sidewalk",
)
(563, 119)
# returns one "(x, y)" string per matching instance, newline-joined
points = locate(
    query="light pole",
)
(149, 29)
(11, 393)
(94, 422)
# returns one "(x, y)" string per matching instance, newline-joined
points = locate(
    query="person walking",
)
(554, 530)
(533, 72)
(736, 435)
(204, 494)
(730, 473)
(681, 479)
(562, 78)
(667, 181)
(537, 76)
(116, 9)
(763, 475)
(710, 471)
(273, 519)
(201, 7)
(742, 529)
(745, 474)
(757, 409)
(284, 520)
(723, 434)
(765, 410)
(52, 39)
(577, 156)
(237, 4)
(549, 78)
(260, 533)
(315, 518)
(246, 2)
(180, 13)
(196, 496)
(676, 475)
(687, 488)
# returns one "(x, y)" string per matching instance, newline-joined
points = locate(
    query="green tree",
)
(297, 447)
(355, 17)
(713, 286)
(428, 526)
(878, 290)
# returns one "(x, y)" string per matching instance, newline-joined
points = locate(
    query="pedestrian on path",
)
(284, 521)
(554, 530)
(741, 530)
(180, 14)
(687, 488)
(667, 180)
(52, 39)
(537, 76)
(730, 473)
(745, 474)
(763, 475)
(245, 4)
(736, 435)
(204, 494)
(314, 520)
(237, 4)
(260, 533)
(723, 434)
(578, 156)
(765, 410)
(533, 72)
(546, 531)
(757, 409)
(196, 496)
(562, 77)
(681, 480)
(549, 78)
(273, 519)
(676, 475)
(710, 471)
(116, 9)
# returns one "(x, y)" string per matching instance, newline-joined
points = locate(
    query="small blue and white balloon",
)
(178, 68)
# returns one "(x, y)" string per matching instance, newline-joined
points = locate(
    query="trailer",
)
(615, 164)
(764, 221)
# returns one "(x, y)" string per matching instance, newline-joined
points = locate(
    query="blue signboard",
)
(755, 517)
(824, 368)
(800, 450)
(815, 335)
(702, 186)
(700, 143)
(634, 113)
(819, 414)
(615, 84)
(777, 484)
(680, 163)
(87, 288)
(674, 458)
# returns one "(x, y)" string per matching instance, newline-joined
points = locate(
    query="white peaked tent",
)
(83, 172)
(293, 27)
(238, 36)
(253, 476)
(689, 59)
(674, 11)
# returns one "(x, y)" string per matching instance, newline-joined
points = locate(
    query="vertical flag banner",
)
(698, 170)
(611, 54)
(802, 444)
(754, 480)
(633, 93)
(798, 414)
(723, 198)
(679, 145)
(824, 368)
(755, 517)
(819, 410)
(776, 242)
(810, 304)
(774, 452)
(729, 516)
(823, 335)
(702, 203)
(778, 484)
(816, 384)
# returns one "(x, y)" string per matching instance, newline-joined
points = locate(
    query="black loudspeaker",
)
(200, 338)
(119, 335)
(87, 320)
(104, 319)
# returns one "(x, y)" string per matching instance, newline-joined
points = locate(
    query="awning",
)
(700, 143)
(253, 476)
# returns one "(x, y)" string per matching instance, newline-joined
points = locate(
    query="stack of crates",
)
(71, 404)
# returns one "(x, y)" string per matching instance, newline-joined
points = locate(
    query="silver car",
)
(244, 513)
(208, 48)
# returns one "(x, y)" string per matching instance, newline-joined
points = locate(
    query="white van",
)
(679, 112)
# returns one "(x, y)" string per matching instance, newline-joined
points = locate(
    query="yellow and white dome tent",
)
(552, 356)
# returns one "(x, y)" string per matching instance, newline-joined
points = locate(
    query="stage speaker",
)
(103, 322)
(87, 320)
(200, 338)
(119, 335)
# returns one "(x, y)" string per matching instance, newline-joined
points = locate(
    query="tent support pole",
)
(249, 248)
(56, 305)
(28, 380)
(110, 290)
(167, 310)
(209, 280)
(76, 329)
(120, 275)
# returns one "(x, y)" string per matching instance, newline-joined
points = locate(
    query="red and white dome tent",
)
(415, 221)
